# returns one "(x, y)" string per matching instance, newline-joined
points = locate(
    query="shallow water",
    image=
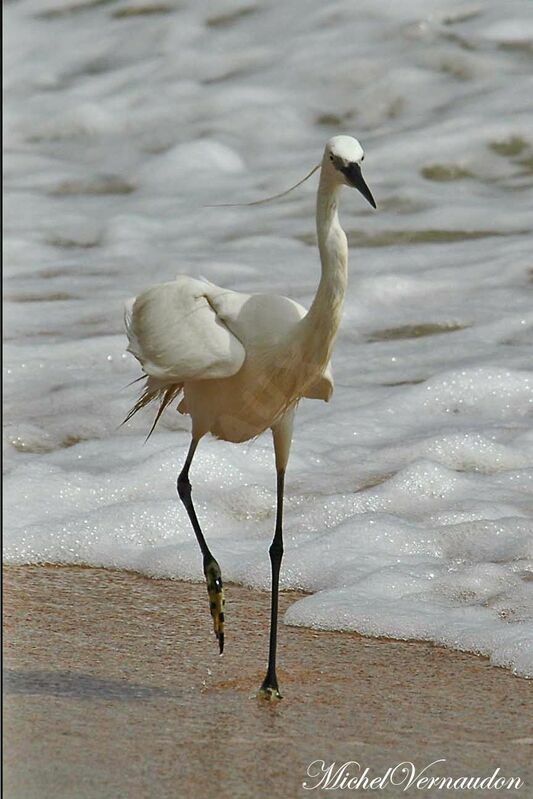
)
(409, 508)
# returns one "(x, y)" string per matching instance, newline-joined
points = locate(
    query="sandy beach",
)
(113, 688)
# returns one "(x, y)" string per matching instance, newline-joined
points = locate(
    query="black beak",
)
(355, 178)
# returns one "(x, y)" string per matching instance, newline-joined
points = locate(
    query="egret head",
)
(343, 156)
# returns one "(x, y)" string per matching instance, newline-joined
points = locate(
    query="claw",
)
(215, 589)
(269, 689)
(269, 693)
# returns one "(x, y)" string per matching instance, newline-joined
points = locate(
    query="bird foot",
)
(215, 589)
(269, 693)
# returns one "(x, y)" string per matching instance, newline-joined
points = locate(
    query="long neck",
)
(323, 319)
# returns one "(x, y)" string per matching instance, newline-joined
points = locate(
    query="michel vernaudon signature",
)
(352, 776)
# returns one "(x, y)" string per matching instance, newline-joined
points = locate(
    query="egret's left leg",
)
(282, 434)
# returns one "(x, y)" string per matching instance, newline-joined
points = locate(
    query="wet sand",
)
(114, 689)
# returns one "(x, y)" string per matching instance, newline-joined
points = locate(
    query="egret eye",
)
(331, 156)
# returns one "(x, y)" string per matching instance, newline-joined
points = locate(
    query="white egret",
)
(241, 362)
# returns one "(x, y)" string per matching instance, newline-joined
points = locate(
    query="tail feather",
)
(137, 380)
(153, 391)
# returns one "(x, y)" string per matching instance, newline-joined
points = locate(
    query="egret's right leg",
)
(213, 577)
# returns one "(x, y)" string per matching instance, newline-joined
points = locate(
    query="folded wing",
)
(175, 333)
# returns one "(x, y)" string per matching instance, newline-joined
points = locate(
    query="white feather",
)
(176, 334)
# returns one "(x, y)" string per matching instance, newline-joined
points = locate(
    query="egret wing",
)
(176, 334)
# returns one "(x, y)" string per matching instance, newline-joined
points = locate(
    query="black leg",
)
(211, 568)
(270, 689)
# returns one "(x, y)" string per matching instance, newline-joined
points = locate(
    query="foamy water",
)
(409, 496)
